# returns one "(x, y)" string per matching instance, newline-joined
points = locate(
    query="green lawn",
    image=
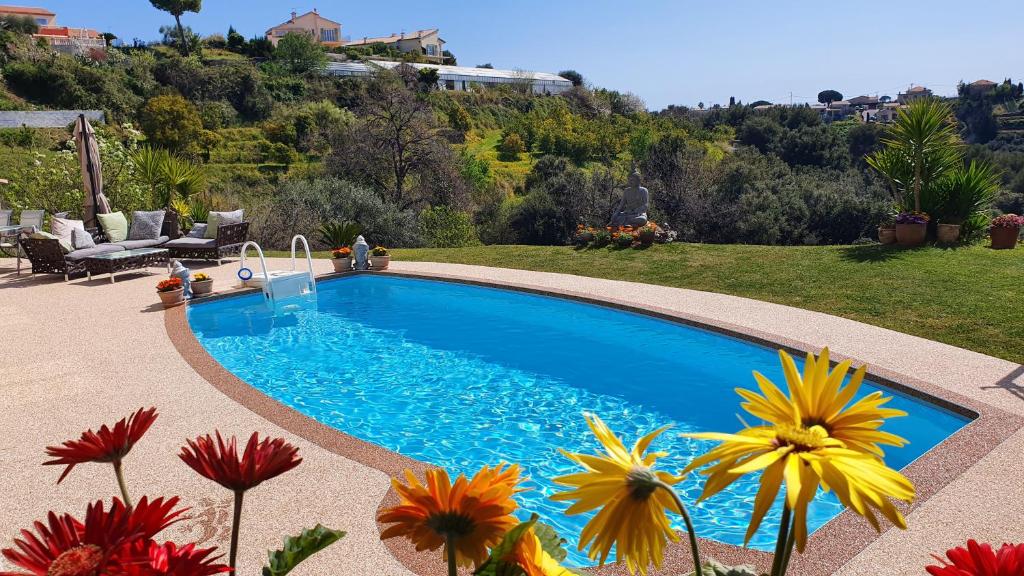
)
(970, 297)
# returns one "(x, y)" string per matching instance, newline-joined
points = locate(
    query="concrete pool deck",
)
(80, 354)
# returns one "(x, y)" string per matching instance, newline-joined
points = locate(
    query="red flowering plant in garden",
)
(1008, 221)
(343, 252)
(981, 560)
(121, 540)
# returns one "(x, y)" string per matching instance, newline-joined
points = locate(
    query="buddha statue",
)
(361, 252)
(636, 201)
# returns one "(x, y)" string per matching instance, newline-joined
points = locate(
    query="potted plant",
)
(1005, 231)
(911, 228)
(171, 292)
(602, 238)
(379, 258)
(647, 233)
(623, 239)
(342, 259)
(887, 231)
(202, 284)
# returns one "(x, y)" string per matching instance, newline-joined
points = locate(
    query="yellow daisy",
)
(818, 398)
(626, 489)
(805, 458)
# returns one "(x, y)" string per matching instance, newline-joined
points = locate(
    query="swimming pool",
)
(460, 376)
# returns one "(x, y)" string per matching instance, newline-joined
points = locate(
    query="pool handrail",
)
(309, 259)
(263, 265)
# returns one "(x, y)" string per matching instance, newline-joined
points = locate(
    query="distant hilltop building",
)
(981, 87)
(328, 33)
(913, 93)
(426, 42)
(324, 30)
(60, 38)
(462, 78)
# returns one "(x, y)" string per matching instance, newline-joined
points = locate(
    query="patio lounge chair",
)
(229, 240)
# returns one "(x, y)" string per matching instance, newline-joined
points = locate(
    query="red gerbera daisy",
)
(109, 445)
(981, 560)
(66, 547)
(169, 560)
(219, 461)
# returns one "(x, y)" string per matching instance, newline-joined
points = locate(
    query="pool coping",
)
(837, 542)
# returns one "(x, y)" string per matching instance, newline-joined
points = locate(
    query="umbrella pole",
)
(92, 174)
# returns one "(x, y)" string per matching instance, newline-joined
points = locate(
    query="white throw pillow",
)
(62, 227)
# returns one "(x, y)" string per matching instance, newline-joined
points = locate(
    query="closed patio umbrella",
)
(92, 173)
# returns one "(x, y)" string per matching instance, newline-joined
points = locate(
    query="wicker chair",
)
(229, 240)
(47, 257)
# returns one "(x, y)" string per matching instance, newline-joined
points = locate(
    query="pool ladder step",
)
(280, 285)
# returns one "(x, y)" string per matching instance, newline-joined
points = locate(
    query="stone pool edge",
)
(829, 548)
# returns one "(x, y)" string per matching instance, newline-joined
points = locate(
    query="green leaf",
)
(550, 541)
(298, 548)
(495, 566)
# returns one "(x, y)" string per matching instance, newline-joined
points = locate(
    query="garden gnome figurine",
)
(361, 251)
(636, 201)
(179, 271)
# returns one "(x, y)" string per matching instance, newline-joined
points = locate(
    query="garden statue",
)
(632, 209)
(178, 270)
(361, 252)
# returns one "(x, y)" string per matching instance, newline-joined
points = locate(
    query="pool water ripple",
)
(463, 376)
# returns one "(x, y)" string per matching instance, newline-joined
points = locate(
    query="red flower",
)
(219, 461)
(169, 560)
(66, 547)
(981, 560)
(107, 446)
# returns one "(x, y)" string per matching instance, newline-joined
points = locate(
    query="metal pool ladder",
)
(280, 285)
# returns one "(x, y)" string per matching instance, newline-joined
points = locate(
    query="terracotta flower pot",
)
(380, 262)
(1004, 238)
(886, 234)
(172, 297)
(202, 287)
(948, 233)
(911, 235)
(342, 264)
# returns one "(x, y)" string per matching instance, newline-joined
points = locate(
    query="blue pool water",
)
(461, 376)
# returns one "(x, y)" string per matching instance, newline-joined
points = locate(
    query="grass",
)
(971, 297)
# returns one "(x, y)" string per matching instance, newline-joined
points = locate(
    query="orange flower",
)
(475, 513)
(533, 560)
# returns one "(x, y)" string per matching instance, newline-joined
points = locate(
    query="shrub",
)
(172, 122)
(444, 227)
(538, 220)
(510, 147)
(217, 114)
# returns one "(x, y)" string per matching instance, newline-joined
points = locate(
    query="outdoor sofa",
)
(231, 233)
(48, 256)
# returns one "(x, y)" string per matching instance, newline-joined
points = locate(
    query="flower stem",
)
(119, 472)
(781, 543)
(790, 544)
(449, 546)
(236, 521)
(691, 533)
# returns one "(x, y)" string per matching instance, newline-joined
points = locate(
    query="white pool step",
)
(279, 285)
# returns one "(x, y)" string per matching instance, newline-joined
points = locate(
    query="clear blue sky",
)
(666, 51)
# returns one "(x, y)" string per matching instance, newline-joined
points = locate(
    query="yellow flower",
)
(805, 458)
(475, 512)
(820, 399)
(534, 561)
(623, 485)
(813, 439)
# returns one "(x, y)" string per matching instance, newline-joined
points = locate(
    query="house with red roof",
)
(60, 38)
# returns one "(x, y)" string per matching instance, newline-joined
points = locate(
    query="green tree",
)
(172, 122)
(510, 147)
(236, 42)
(300, 53)
(829, 96)
(176, 8)
(921, 147)
(572, 76)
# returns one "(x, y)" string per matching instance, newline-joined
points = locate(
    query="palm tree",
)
(922, 146)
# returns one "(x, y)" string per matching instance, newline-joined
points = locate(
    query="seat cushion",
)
(114, 225)
(190, 243)
(136, 244)
(146, 225)
(95, 251)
